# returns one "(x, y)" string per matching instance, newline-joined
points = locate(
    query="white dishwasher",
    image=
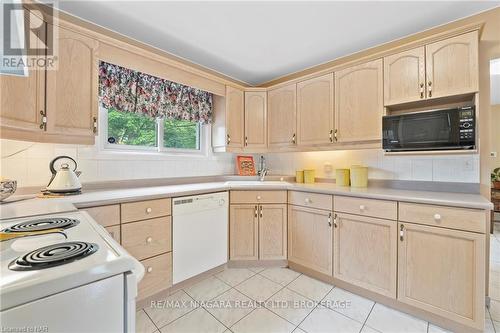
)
(199, 234)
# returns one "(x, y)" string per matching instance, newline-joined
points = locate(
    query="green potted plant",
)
(495, 178)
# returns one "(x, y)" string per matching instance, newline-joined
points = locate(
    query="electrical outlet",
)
(493, 154)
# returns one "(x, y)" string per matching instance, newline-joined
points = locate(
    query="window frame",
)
(203, 139)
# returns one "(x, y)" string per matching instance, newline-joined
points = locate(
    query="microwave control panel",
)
(467, 123)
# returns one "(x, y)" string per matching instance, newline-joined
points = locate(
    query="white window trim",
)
(106, 148)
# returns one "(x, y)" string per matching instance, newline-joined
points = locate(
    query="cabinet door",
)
(365, 252)
(255, 119)
(315, 119)
(310, 238)
(72, 89)
(452, 66)
(243, 232)
(235, 104)
(442, 271)
(404, 76)
(359, 102)
(272, 231)
(22, 98)
(282, 116)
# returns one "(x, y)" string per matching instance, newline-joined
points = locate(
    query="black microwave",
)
(444, 129)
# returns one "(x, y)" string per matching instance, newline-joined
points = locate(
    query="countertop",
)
(40, 206)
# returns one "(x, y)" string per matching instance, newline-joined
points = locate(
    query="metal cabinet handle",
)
(335, 135)
(421, 90)
(246, 140)
(149, 240)
(94, 129)
(329, 219)
(293, 138)
(149, 210)
(261, 214)
(437, 217)
(401, 232)
(149, 269)
(331, 135)
(335, 224)
(43, 124)
(228, 139)
(430, 88)
(255, 212)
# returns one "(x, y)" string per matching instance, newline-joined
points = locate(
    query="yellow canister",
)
(359, 176)
(342, 177)
(299, 176)
(309, 176)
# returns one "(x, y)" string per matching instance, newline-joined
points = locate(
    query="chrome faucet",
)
(262, 168)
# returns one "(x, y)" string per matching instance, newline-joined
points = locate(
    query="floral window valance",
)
(127, 90)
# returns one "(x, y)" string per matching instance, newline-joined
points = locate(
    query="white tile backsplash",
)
(443, 168)
(30, 167)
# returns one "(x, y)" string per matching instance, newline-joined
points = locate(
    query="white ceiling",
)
(258, 41)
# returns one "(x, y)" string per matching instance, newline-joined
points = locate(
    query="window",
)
(132, 131)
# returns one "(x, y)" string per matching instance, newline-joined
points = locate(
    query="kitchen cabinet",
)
(365, 252)
(452, 66)
(272, 232)
(310, 238)
(243, 232)
(442, 271)
(359, 102)
(157, 275)
(282, 116)
(255, 119)
(315, 114)
(235, 117)
(258, 225)
(404, 76)
(148, 238)
(105, 215)
(114, 231)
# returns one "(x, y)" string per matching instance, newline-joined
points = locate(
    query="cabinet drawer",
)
(157, 275)
(443, 216)
(141, 210)
(313, 200)
(105, 215)
(114, 231)
(367, 207)
(239, 197)
(148, 238)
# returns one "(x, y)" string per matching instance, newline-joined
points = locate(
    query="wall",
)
(495, 135)
(31, 166)
(449, 168)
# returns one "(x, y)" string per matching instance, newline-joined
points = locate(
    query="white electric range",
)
(77, 280)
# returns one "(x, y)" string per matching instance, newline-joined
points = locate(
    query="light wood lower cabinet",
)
(258, 232)
(243, 232)
(365, 252)
(272, 232)
(310, 238)
(157, 275)
(148, 238)
(105, 215)
(442, 271)
(115, 232)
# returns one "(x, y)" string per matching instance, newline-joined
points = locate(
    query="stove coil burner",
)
(43, 224)
(53, 255)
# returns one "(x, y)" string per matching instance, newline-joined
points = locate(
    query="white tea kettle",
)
(64, 180)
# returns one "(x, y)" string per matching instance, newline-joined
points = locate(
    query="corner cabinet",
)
(235, 117)
(315, 115)
(452, 262)
(243, 232)
(359, 102)
(256, 119)
(282, 116)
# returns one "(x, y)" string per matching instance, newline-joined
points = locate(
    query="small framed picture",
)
(246, 166)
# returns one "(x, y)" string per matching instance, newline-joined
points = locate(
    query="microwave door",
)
(426, 131)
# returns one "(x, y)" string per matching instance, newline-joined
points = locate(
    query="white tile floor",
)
(226, 302)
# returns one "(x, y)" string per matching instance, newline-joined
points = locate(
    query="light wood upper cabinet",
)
(359, 102)
(282, 116)
(452, 65)
(235, 117)
(310, 238)
(365, 252)
(404, 76)
(315, 115)
(255, 119)
(442, 271)
(272, 232)
(243, 232)
(72, 89)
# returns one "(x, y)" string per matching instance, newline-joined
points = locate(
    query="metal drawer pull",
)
(335, 220)
(149, 269)
(293, 138)
(149, 210)
(430, 88)
(437, 217)
(255, 212)
(421, 90)
(331, 135)
(149, 240)
(401, 232)
(261, 212)
(329, 219)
